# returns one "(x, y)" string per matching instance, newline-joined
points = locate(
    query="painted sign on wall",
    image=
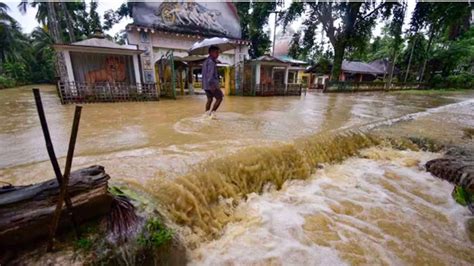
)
(207, 18)
(93, 68)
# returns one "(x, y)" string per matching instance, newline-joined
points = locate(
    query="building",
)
(355, 71)
(165, 31)
(99, 70)
(270, 76)
(297, 74)
(155, 62)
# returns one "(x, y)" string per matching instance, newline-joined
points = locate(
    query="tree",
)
(94, 22)
(395, 32)
(347, 25)
(66, 21)
(42, 56)
(12, 40)
(451, 19)
(253, 18)
(46, 15)
(120, 37)
(409, 58)
(454, 56)
(112, 17)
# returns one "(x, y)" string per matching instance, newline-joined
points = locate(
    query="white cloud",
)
(28, 21)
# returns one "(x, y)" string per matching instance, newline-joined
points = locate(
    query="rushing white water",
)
(382, 209)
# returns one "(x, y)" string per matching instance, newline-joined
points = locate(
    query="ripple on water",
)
(204, 125)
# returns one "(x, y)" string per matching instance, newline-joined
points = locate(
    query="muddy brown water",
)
(380, 207)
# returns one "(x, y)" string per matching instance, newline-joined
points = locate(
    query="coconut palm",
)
(12, 40)
(41, 40)
(53, 14)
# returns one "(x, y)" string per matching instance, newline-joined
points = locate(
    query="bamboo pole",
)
(51, 153)
(64, 186)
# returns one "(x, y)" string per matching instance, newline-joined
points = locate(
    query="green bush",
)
(462, 80)
(458, 81)
(16, 70)
(83, 243)
(6, 82)
(155, 234)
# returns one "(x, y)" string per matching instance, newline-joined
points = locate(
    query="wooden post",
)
(64, 185)
(52, 155)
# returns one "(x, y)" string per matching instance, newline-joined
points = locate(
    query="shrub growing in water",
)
(6, 82)
(155, 234)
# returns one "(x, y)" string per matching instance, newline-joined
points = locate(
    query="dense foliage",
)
(253, 19)
(437, 48)
(30, 58)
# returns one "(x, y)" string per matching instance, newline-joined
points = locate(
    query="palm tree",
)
(46, 15)
(12, 40)
(41, 40)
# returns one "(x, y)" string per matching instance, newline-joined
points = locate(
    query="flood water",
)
(379, 207)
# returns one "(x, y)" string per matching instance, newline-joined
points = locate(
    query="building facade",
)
(165, 31)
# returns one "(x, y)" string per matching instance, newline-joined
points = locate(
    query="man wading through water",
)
(210, 81)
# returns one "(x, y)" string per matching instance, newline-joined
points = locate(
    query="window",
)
(292, 75)
(144, 37)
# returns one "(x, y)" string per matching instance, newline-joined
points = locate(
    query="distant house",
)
(352, 71)
(359, 71)
(268, 76)
(297, 74)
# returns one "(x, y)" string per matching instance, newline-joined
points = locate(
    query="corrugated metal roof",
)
(103, 43)
(268, 58)
(360, 67)
(291, 60)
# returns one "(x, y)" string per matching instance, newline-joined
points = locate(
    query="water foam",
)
(382, 209)
(204, 200)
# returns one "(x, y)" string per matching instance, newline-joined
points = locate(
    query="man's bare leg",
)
(208, 104)
(217, 103)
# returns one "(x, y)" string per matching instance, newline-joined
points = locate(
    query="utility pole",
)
(274, 30)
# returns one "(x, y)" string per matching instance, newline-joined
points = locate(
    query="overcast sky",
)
(28, 21)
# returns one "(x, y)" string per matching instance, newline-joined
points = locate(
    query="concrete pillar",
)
(287, 71)
(227, 80)
(70, 72)
(257, 78)
(136, 70)
(257, 74)
(67, 59)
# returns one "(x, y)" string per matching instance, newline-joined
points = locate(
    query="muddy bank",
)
(116, 226)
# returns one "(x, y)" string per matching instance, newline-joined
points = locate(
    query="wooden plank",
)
(51, 153)
(67, 171)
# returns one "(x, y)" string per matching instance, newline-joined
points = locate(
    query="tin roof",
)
(103, 43)
(99, 45)
(360, 67)
(291, 60)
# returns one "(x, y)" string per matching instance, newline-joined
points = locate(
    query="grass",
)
(83, 243)
(155, 234)
(90, 232)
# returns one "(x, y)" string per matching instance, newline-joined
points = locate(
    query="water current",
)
(273, 181)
